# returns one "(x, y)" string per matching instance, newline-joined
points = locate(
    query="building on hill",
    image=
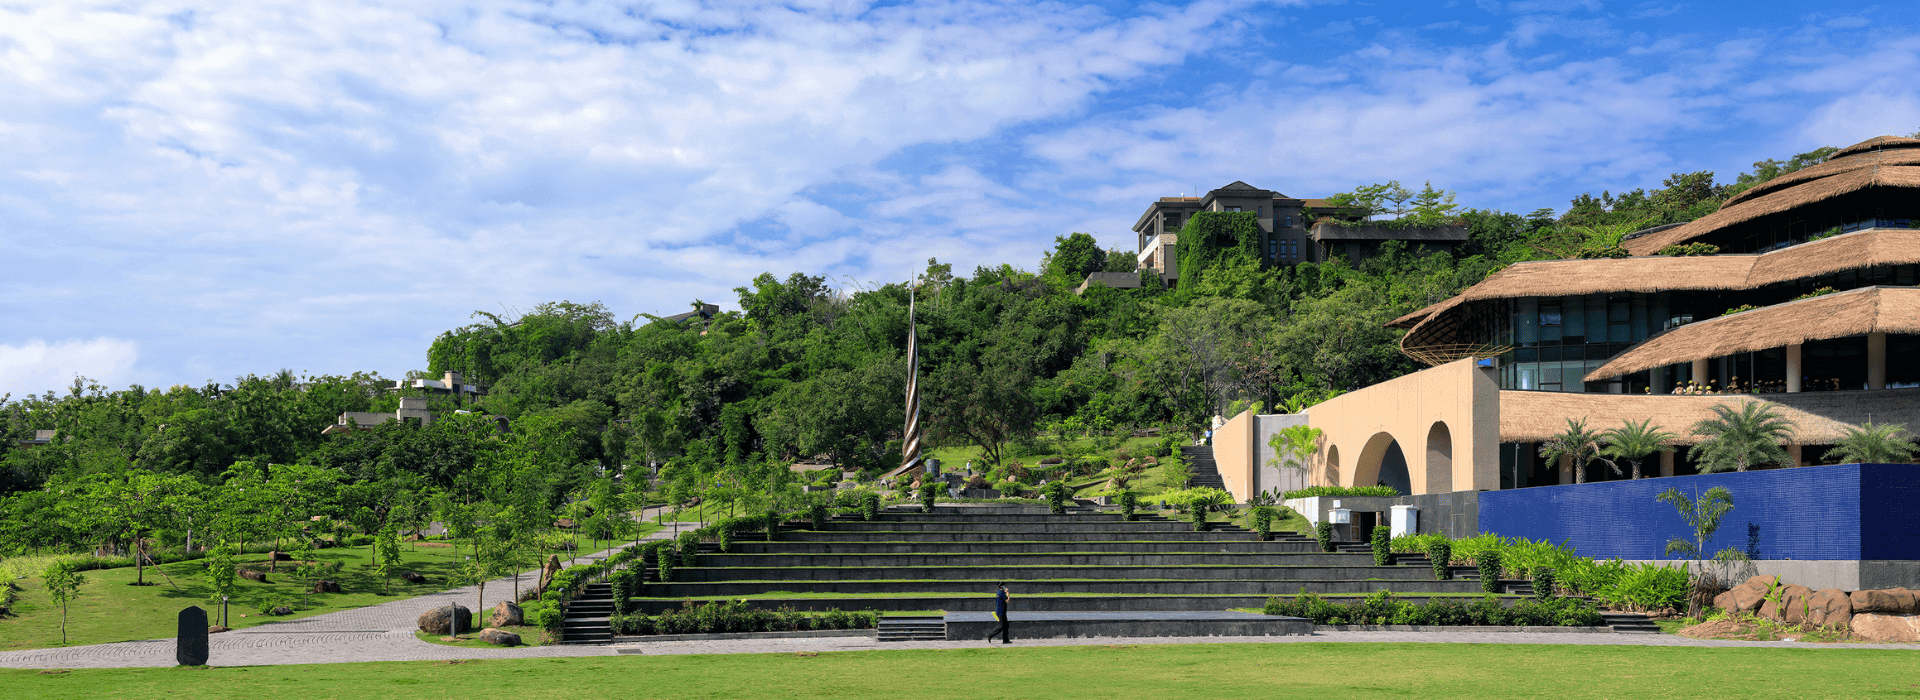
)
(1116, 280)
(1288, 237)
(413, 409)
(449, 384)
(40, 437)
(1815, 310)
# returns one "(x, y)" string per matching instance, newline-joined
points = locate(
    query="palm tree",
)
(1578, 443)
(1754, 434)
(1875, 444)
(1633, 442)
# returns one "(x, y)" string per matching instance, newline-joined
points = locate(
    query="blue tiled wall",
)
(1848, 511)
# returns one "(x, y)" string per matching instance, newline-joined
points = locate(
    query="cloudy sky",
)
(196, 191)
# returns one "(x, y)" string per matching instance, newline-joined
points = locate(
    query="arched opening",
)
(1439, 458)
(1381, 461)
(1332, 475)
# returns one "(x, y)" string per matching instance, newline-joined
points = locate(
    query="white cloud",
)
(37, 366)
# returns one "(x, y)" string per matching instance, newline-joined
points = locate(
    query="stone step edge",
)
(630, 639)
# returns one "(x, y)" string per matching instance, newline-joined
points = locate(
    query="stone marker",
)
(190, 643)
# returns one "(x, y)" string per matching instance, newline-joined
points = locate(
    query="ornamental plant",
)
(927, 493)
(1263, 522)
(870, 505)
(1323, 533)
(817, 514)
(1737, 439)
(773, 525)
(688, 546)
(1382, 546)
(1128, 502)
(663, 562)
(1489, 563)
(1543, 583)
(62, 582)
(1441, 552)
(1057, 497)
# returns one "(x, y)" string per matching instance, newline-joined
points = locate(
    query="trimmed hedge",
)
(1380, 608)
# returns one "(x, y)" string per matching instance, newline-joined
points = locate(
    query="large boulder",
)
(1790, 605)
(434, 620)
(1745, 597)
(251, 575)
(1829, 608)
(280, 610)
(1892, 601)
(506, 615)
(412, 577)
(499, 637)
(279, 556)
(325, 586)
(1879, 627)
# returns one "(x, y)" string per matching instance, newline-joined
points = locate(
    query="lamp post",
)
(223, 611)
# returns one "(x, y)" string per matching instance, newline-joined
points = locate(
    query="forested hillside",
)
(801, 369)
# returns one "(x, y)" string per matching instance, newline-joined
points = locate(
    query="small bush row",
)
(1381, 608)
(1338, 491)
(735, 616)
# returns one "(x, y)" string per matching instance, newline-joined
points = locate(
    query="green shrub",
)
(1263, 522)
(688, 547)
(1381, 608)
(870, 506)
(1543, 583)
(1690, 249)
(1442, 556)
(1337, 491)
(1489, 563)
(1128, 502)
(1056, 497)
(1417, 543)
(817, 514)
(663, 562)
(1382, 546)
(927, 493)
(1199, 515)
(773, 525)
(1323, 533)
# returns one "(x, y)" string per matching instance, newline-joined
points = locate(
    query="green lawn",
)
(1294, 670)
(111, 610)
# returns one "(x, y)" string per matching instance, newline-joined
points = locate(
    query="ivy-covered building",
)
(1281, 231)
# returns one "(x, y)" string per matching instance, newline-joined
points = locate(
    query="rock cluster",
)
(1891, 615)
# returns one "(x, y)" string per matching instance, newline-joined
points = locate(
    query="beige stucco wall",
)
(1234, 453)
(1446, 420)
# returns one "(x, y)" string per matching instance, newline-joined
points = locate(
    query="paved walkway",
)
(381, 632)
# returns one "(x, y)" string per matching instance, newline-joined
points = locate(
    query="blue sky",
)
(191, 192)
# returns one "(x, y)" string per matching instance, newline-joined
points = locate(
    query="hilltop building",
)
(1293, 230)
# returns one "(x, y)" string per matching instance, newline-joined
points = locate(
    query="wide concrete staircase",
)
(953, 559)
(1205, 472)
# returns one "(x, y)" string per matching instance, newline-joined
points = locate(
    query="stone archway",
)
(1333, 464)
(1366, 469)
(1439, 467)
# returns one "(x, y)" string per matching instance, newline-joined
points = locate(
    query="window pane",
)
(1527, 323)
(1596, 318)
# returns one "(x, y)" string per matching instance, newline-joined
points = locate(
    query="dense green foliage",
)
(1339, 491)
(1380, 608)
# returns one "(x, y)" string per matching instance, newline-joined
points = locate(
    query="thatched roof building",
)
(1439, 324)
(1855, 312)
(1820, 418)
(1882, 162)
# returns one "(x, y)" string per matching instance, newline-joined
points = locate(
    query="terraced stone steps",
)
(1158, 587)
(1081, 558)
(912, 629)
(1033, 573)
(983, 601)
(1114, 535)
(1630, 623)
(587, 616)
(1219, 546)
(1205, 471)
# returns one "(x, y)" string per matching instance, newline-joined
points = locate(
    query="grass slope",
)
(110, 610)
(1294, 670)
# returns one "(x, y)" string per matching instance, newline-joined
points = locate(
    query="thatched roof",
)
(1890, 163)
(1436, 324)
(1820, 418)
(1849, 313)
(1877, 143)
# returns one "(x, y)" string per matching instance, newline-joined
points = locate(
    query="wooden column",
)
(1700, 372)
(1793, 368)
(1876, 360)
(1666, 462)
(1793, 452)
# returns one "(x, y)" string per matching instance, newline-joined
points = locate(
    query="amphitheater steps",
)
(1630, 623)
(587, 616)
(1205, 472)
(912, 629)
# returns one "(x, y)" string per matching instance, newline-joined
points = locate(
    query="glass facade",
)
(1558, 340)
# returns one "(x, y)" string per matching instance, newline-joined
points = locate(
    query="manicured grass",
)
(1293, 670)
(110, 610)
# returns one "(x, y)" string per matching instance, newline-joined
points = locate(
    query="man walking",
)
(1000, 613)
